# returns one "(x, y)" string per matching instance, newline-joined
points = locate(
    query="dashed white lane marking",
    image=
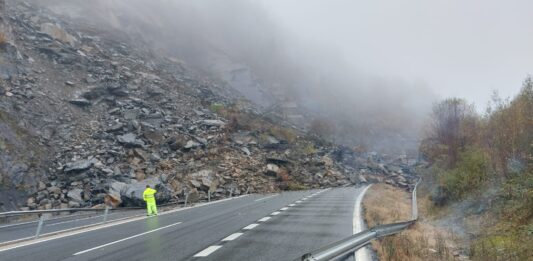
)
(208, 251)
(264, 219)
(266, 197)
(232, 236)
(124, 239)
(251, 226)
(211, 249)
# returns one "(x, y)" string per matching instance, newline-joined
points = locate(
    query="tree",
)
(453, 124)
(509, 131)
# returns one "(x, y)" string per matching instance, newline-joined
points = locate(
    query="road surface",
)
(24, 230)
(254, 227)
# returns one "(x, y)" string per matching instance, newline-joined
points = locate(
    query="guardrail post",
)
(186, 199)
(209, 196)
(39, 225)
(105, 213)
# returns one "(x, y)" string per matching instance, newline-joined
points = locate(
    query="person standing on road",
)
(149, 197)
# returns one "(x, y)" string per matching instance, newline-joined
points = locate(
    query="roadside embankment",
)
(384, 204)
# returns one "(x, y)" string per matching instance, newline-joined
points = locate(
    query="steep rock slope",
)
(87, 113)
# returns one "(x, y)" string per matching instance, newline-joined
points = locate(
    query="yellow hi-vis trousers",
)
(151, 207)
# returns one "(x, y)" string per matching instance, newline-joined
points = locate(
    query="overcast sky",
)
(464, 48)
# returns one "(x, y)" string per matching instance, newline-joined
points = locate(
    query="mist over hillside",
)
(240, 43)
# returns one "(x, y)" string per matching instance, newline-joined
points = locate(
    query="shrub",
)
(216, 107)
(283, 134)
(296, 186)
(469, 175)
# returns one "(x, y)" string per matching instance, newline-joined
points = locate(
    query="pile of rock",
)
(99, 118)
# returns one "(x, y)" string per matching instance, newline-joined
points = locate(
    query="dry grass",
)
(3, 38)
(385, 204)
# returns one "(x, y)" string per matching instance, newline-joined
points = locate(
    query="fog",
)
(370, 70)
(457, 48)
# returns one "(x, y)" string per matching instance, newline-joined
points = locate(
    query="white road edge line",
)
(78, 230)
(292, 205)
(283, 209)
(358, 225)
(208, 251)
(251, 226)
(67, 233)
(275, 213)
(124, 239)
(264, 219)
(265, 197)
(232, 236)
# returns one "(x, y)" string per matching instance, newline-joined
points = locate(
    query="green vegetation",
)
(474, 153)
(216, 107)
(296, 186)
(470, 174)
(282, 133)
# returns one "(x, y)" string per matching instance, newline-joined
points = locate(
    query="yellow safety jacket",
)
(149, 195)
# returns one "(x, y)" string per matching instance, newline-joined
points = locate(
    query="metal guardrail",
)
(42, 213)
(414, 214)
(349, 245)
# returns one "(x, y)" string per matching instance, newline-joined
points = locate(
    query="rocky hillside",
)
(86, 112)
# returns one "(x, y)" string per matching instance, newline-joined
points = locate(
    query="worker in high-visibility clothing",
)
(149, 197)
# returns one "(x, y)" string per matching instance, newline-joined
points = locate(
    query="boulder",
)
(204, 180)
(196, 183)
(215, 123)
(79, 165)
(153, 136)
(75, 195)
(82, 102)
(54, 190)
(191, 145)
(272, 170)
(94, 93)
(130, 140)
(132, 114)
(115, 127)
(132, 194)
(57, 33)
(41, 185)
(73, 204)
